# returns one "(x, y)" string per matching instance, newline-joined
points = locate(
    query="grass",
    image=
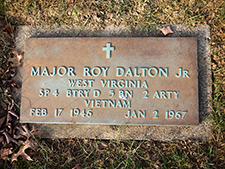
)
(66, 153)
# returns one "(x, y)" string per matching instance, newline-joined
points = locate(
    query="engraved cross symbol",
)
(108, 50)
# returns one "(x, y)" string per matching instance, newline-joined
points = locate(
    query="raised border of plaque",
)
(201, 131)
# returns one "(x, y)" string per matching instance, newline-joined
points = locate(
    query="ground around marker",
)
(100, 15)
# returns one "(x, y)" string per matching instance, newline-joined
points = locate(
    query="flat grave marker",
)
(124, 81)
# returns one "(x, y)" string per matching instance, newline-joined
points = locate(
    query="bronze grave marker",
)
(127, 81)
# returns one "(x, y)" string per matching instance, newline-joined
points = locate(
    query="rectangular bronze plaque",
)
(129, 81)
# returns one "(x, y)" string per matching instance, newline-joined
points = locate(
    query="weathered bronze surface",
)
(145, 81)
